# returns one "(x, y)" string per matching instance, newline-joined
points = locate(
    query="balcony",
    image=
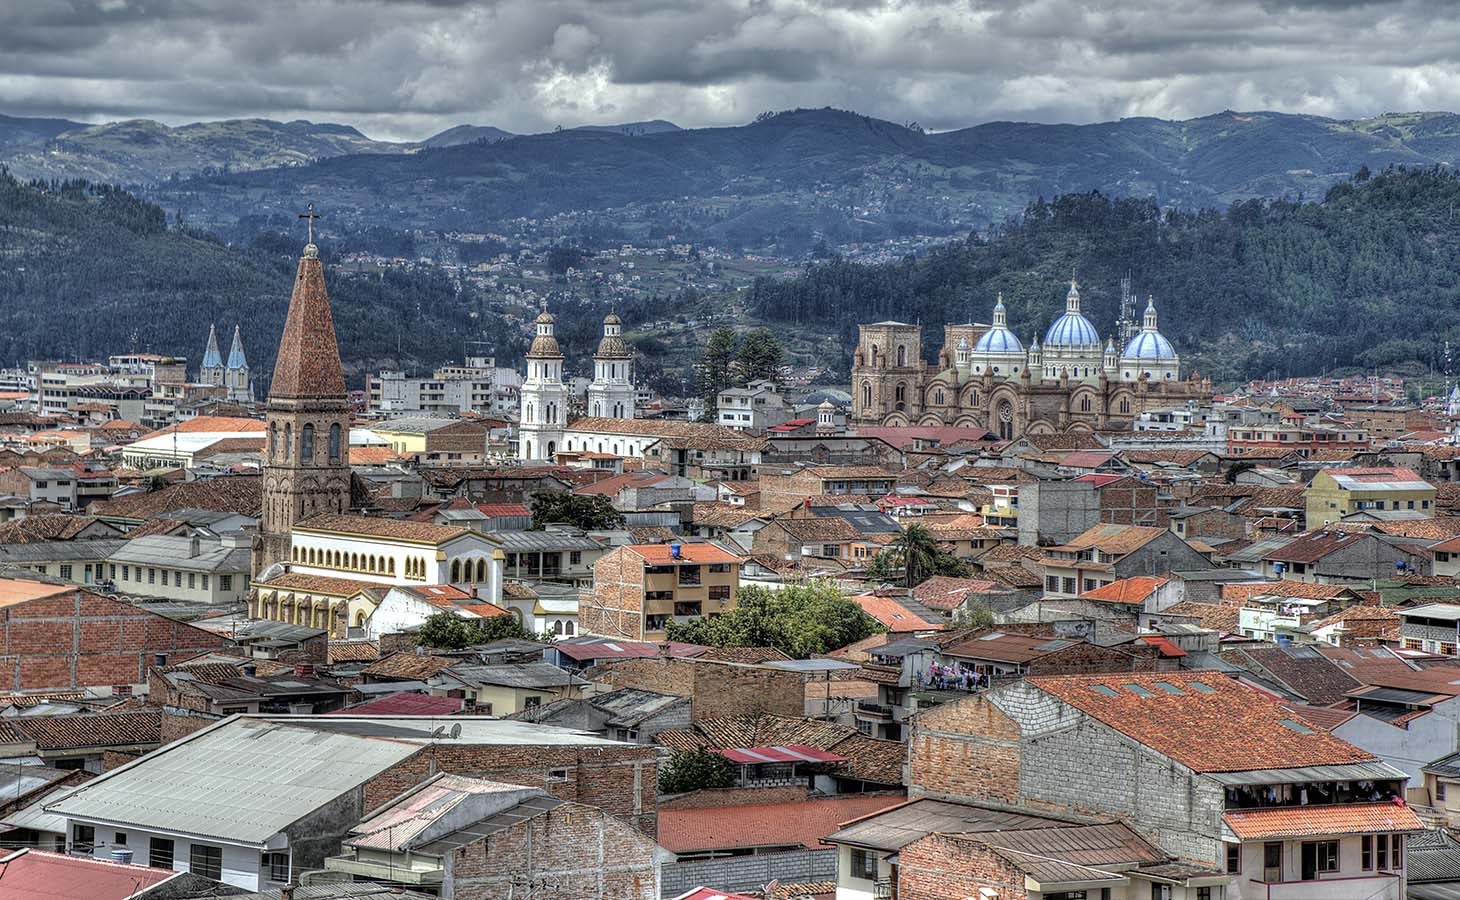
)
(884, 890)
(878, 711)
(1381, 886)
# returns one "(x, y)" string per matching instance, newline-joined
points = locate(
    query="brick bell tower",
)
(306, 462)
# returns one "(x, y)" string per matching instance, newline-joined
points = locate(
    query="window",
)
(277, 865)
(1052, 583)
(126, 573)
(575, 558)
(335, 442)
(83, 838)
(1439, 790)
(1160, 892)
(225, 582)
(192, 580)
(557, 776)
(531, 702)
(205, 580)
(689, 575)
(1366, 853)
(1319, 857)
(66, 570)
(1069, 585)
(1203, 893)
(151, 575)
(206, 861)
(159, 853)
(1396, 851)
(306, 444)
(721, 592)
(1381, 856)
(864, 865)
(120, 838)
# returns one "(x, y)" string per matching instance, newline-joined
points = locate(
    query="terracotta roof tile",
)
(1222, 726)
(91, 730)
(241, 494)
(945, 592)
(1114, 539)
(353, 651)
(372, 526)
(1127, 590)
(893, 615)
(804, 822)
(405, 666)
(321, 584)
(37, 529)
(1333, 818)
(1237, 593)
(660, 554)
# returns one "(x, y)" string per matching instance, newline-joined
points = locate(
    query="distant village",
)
(500, 632)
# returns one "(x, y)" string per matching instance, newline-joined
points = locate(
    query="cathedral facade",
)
(986, 377)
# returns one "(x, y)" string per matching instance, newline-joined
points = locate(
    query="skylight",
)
(1168, 687)
(1299, 727)
(1138, 690)
(1103, 690)
(1203, 688)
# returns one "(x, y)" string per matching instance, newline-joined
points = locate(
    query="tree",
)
(715, 373)
(760, 357)
(801, 620)
(448, 631)
(588, 512)
(917, 556)
(973, 615)
(1238, 467)
(696, 769)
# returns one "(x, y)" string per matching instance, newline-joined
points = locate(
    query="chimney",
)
(304, 669)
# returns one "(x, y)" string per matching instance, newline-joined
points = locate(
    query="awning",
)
(789, 753)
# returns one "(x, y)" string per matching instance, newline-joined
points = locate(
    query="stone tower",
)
(306, 464)
(237, 377)
(544, 410)
(211, 372)
(612, 392)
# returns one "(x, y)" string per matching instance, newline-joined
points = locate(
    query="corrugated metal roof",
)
(244, 780)
(173, 552)
(900, 826)
(538, 541)
(1377, 770)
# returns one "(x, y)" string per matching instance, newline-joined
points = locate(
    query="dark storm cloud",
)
(401, 69)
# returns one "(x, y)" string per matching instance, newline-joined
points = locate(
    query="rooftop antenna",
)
(1127, 323)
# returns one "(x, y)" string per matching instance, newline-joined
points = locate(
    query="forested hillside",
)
(1368, 277)
(86, 271)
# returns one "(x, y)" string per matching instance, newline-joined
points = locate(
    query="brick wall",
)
(966, 750)
(717, 797)
(571, 851)
(178, 723)
(617, 604)
(397, 642)
(620, 780)
(715, 689)
(83, 639)
(949, 867)
(1086, 658)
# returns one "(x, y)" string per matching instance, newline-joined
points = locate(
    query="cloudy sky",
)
(404, 69)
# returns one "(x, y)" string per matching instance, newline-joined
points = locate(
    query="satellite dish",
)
(456, 731)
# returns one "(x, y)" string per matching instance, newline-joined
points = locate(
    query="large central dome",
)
(1072, 329)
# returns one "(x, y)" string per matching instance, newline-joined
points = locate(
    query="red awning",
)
(789, 753)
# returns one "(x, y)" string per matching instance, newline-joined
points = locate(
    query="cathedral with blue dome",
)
(1070, 380)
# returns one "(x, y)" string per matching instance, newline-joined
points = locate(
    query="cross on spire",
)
(311, 215)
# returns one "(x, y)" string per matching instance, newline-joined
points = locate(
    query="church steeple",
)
(236, 359)
(306, 462)
(212, 359)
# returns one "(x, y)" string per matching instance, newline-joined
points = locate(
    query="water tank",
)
(122, 855)
(674, 550)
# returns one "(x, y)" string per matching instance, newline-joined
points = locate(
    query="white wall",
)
(240, 864)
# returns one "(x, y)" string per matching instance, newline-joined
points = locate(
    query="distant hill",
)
(653, 126)
(1366, 278)
(837, 175)
(466, 134)
(86, 272)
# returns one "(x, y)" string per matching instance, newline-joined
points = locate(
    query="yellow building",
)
(503, 690)
(1336, 493)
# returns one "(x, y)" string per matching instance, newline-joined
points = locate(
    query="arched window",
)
(273, 439)
(901, 356)
(938, 397)
(306, 443)
(552, 449)
(1085, 403)
(900, 394)
(1005, 421)
(866, 394)
(558, 626)
(335, 442)
(288, 440)
(391, 565)
(456, 571)
(481, 570)
(1124, 405)
(570, 628)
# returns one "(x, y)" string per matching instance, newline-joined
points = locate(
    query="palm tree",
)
(919, 554)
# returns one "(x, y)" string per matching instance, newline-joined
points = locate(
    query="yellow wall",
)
(1328, 503)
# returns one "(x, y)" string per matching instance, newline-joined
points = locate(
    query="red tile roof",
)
(1127, 590)
(802, 823)
(944, 592)
(893, 615)
(1221, 726)
(37, 875)
(1167, 646)
(659, 554)
(1335, 818)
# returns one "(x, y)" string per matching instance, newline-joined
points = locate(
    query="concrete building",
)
(479, 386)
(1336, 493)
(189, 569)
(639, 588)
(41, 485)
(755, 407)
(1432, 627)
(1108, 553)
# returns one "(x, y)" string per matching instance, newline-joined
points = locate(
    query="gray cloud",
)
(401, 69)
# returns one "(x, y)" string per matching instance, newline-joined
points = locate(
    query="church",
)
(234, 375)
(543, 427)
(986, 377)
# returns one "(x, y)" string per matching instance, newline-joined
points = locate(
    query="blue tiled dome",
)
(998, 340)
(1149, 345)
(1071, 329)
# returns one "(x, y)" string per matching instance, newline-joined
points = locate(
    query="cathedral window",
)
(288, 440)
(335, 442)
(900, 393)
(481, 570)
(273, 439)
(866, 394)
(1085, 403)
(938, 397)
(456, 571)
(901, 356)
(306, 443)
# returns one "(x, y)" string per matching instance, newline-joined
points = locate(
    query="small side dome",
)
(998, 340)
(612, 319)
(544, 318)
(1149, 345)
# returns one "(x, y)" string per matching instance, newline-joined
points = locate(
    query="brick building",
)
(60, 636)
(1201, 765)
(1107, 553)
(714, 688)
(638, 589)
(783, 489)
